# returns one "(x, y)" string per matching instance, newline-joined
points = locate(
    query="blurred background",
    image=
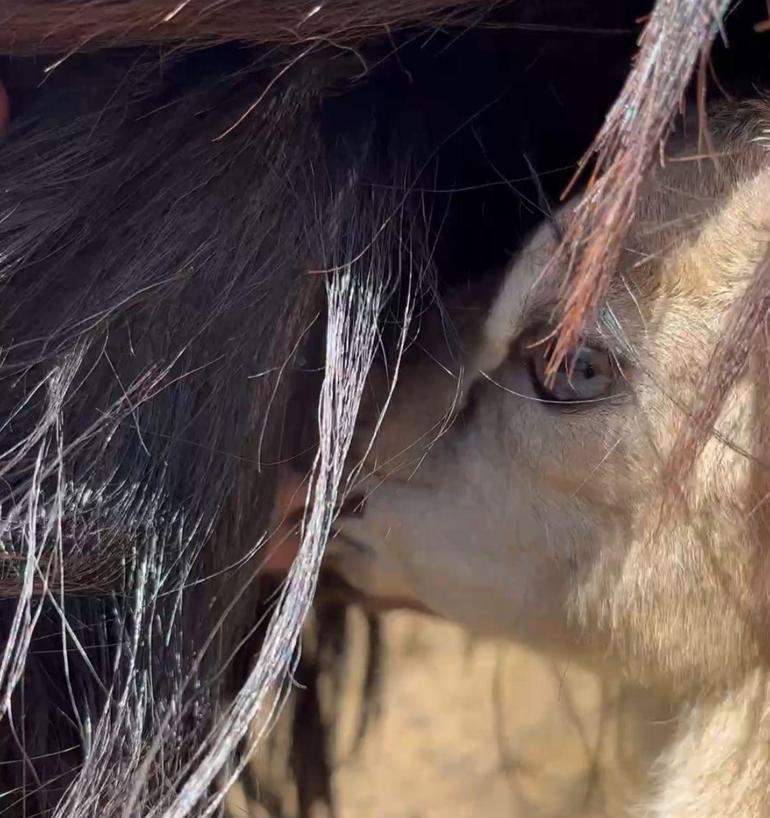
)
(460, 728)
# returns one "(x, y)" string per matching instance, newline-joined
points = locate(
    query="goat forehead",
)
(674, 207)
(677, 199)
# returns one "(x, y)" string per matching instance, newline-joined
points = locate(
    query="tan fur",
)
(555, 527)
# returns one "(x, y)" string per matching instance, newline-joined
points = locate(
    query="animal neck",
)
(719, 761)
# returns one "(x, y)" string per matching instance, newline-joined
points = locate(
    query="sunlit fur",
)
(560, 526)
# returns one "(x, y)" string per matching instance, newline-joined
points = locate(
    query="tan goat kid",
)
(539, 510)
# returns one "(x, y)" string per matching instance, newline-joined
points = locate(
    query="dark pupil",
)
(584, 366)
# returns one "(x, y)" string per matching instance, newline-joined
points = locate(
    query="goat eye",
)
(586, 375)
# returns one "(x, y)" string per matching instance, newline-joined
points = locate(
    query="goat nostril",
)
(353, 506)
